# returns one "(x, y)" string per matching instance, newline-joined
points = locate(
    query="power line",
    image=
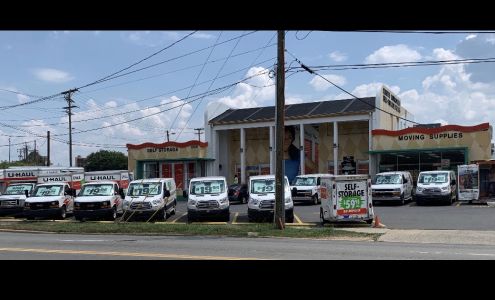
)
(345, 91)
(416, 31)
(140, 61)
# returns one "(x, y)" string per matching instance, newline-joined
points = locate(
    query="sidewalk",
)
(457, 237)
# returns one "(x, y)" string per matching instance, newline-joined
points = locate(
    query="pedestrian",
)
(236, 179)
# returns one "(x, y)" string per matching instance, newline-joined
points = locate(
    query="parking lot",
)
(458, 216)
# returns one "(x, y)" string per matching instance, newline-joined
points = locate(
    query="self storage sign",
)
(351, 198)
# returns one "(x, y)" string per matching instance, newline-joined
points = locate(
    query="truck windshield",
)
(207, 187)
(18, 189)
(433, 178)
(47, 190)
(144, 189)
(388, 179)
(97, 190)
(305, 181)
(263, 186)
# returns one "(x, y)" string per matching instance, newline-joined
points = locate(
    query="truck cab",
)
(99, 199)
(13, 198)
(152, 198)
(50, 200)
(261, 203)
(208, 196)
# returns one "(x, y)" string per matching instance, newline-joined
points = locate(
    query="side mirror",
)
(184, 194)
(166, 193)
(294, 191)
(405, 180)
(26, 192)
(121, 193)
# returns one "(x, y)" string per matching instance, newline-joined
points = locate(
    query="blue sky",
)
(43, 63)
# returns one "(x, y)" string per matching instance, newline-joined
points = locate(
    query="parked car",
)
(436, 185)
(393, 186)
(239, 193)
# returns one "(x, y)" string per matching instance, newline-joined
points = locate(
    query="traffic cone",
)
(376, 222)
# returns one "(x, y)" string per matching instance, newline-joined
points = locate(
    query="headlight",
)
(191, 202)
(77, 204)
(26, 204)
(253, 201)
(287, 200)
(224, 201)
(445, 188)
(53, 203)
(105, 204)
(419, 189)
(397, 190)
(156, 201)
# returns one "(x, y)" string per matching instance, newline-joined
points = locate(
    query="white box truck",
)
(346, 198)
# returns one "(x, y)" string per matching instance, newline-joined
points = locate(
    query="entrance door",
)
(179, 175)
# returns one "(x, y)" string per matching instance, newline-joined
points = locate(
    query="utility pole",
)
(279, 215)
(9, 149)
(168, 135)
(48, 148)
(34, 154)
(25, 151)
(199, 133)
(68, 110)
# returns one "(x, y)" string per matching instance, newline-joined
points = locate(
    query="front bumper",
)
(47, 212)
(13, 210)
(208, 212)
(97, 213)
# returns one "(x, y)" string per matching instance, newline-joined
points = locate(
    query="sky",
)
(168, 78)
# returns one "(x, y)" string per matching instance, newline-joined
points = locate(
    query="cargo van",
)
(99, 199)
(436, 185)
(346, 198)
(153, 198)
(13, 198)
(208, 197)
(393, 186)
(50, 200)
(307, 188)
(261, 203)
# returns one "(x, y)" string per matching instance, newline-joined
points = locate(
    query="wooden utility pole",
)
(279, 214)
(48, 148)
(68, 109)
(199, 133)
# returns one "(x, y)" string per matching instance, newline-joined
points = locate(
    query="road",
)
(80, 247)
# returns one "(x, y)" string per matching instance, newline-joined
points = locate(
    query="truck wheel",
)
(226, 218)
(322, 220)
(113, 214)
(175, 208)
(290, 218)
(315, 199)
(63, 213)
(369, 221)
(402, 199)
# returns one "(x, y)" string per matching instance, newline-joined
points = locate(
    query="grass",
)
(260, 230)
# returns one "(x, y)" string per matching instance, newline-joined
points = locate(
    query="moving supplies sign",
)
(468, 182)
(351, 198)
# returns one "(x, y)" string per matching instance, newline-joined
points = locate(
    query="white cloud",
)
(52, 75)
(471, 36)
(338, 56)
(293, 100)
(23, 98)
(321, 84)
(253, 92)
(206, 36)
(392, 54)
(157, 38)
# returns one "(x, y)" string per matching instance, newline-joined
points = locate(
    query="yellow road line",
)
(297, 219)
(179, 217)
(235, 218)
(115, 253)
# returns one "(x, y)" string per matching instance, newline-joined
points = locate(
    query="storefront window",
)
(151, 170)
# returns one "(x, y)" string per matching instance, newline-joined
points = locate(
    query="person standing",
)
(236, 179)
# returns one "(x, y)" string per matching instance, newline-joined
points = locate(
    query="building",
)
(181, 161)
(341, 136)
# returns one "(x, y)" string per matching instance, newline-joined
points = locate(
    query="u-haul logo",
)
(20, 174)
(55, 179)
(101, 177)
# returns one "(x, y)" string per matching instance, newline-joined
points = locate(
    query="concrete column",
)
(371, 160)
(243, 156)
(214, 146)
(335, 147)
(301, 147)
(271, 139)
(313, 148)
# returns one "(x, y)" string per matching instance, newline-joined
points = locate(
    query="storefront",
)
(419, 149)
(181, 161)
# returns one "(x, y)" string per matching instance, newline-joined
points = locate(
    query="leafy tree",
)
(106, 160)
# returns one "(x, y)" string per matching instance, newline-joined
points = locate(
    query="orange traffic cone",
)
(376, 223)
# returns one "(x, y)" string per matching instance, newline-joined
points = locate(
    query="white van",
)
(50, 200)
(99, 199)
(436, 185)
(153, 198)
(346, 198)
(307, 188)
(262, 198)
(208, 197)
(12, 200)
(393, 186)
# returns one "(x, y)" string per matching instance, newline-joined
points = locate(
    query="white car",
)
(307, 188)
(208, 197)
(393, 186)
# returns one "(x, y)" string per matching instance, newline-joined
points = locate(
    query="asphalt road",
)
(80, 247)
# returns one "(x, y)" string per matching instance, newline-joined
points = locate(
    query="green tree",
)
(106, 160)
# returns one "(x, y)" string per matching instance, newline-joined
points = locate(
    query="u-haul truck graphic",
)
(346, 198)
(122, 177)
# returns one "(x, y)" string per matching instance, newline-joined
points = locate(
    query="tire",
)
(314, 200)
(63, 213)
(175, 208)
(369, 221)
(290, 218)
(402, 199)
(113, 215)
(226, 218)
(322, 220)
